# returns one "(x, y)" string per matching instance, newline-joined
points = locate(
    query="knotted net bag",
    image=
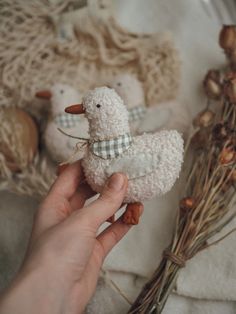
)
(77, 43)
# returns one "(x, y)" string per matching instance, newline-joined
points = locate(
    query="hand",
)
(65, 254)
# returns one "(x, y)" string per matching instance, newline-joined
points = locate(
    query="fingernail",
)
(116, 181)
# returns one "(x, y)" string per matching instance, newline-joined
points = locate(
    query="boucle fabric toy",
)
(60, 148)
(152, 162)
(167, 115)
(130, 89)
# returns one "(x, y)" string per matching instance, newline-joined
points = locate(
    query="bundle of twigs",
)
(209, 192)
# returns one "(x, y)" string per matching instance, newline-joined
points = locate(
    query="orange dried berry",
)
(227, 155)
(186, 204)
(204, 119)
(227, 37)
(212, 84)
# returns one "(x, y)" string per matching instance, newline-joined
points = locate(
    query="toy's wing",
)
(134, 166)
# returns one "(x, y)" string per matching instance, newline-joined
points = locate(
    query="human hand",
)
(65, 254)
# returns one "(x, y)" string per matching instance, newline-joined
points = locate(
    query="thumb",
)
(109, 201)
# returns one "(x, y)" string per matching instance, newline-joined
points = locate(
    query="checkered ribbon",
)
(111, 148)
(137, 113)
(65, 120)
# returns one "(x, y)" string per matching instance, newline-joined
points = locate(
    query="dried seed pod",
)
(221, 132)
(200, 139)
(204, 119)
(231, 55)
(229, 87)
(212, 84)
(227, 37)
(227, 155)
(233, 176)
(186, 204)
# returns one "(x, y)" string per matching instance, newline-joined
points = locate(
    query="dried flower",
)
(205, 210)
(200, 139)
(233, 176)
(227, 155)
(231, 55)
(227, 38)
(229, 87)
(186, 204)
(204, 119)
(221, 132)
(212, 84)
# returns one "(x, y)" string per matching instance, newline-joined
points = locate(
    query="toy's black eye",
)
(98, 105)
(61, 91)
(119, 84)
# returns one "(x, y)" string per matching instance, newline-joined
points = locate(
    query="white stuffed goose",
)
(61, 148)
(130, 89)
(167, 115)
(152, 162)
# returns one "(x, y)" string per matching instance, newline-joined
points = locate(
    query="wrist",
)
(33, 291)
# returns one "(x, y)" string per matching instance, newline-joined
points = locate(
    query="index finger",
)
(67, 182)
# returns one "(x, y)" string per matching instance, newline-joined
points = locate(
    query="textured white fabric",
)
(134, 166)
(131, 285)
(59, 146)
(110, 118)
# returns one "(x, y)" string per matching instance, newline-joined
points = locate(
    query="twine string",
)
(174, 258)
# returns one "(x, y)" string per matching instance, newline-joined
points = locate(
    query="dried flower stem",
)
(209, 195)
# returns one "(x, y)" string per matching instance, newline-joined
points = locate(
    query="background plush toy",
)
(130, 89)
(168, 115)
(59, 147)
(152, 162)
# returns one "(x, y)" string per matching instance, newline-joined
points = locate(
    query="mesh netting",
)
(35, 52)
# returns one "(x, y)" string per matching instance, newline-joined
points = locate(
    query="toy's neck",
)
(100, 131)
(111, 148)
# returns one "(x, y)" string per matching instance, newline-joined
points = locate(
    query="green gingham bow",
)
(111, 148)
(136, 113)
(65, 120)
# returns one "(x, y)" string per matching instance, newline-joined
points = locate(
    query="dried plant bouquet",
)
(210, 186)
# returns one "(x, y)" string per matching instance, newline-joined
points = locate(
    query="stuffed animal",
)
(61, 148)
(152, 162)
(168, 115)
(130, 89)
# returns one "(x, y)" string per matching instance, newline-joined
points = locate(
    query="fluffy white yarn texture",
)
(59, 146)
(153, 161)
(166, 115)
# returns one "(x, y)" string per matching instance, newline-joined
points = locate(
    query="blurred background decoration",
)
(82, 45)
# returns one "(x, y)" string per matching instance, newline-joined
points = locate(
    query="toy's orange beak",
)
(75, 109)
(44, 94)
